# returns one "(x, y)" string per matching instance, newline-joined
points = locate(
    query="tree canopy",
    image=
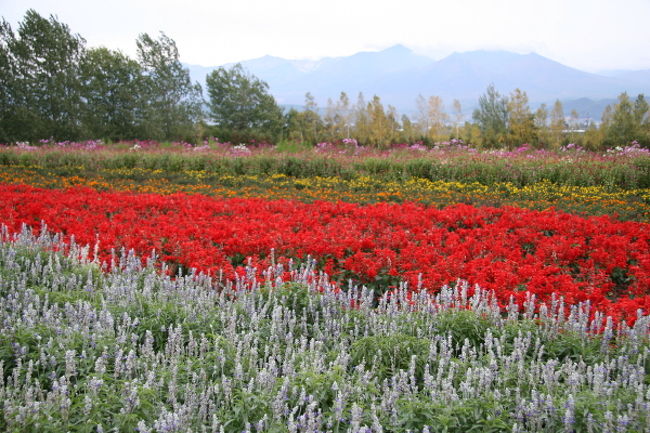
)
(240, 103)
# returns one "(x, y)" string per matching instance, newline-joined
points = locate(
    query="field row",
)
(626, 170)
(509, 250)
(625, 204)
(136, 350)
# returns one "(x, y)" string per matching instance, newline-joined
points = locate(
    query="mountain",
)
(398, 75)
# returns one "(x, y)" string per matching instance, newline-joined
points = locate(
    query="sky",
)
(591, 35)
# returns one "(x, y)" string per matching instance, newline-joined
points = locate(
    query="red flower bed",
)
(508, 250)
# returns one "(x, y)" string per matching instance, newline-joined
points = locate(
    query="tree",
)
(437, 117)
(343, 115)
(172, 102)
(361, 120)
(422, 117)
(641, 110)
(240, 103)
(432, 118)
(112, 91)
(558, 124)
(641, 117)
(521, 122)
(458, 115)
(541, 123)
(623, 127)
(40, 90)
(409, 133)
(492, 117)
(305, 126)
(382, 126)
(7, 84)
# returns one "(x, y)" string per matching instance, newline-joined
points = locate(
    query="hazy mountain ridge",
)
(398, 75)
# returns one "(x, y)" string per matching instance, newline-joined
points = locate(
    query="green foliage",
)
(463, 325)
(112, 88)
(386, 355)
(621, 130)
(52, 87)
(521, 122)
(40, 88)
(173, 103)
(240, 103)
(472, 416)
(492, 117)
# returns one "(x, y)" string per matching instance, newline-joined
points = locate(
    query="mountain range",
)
(398, 75)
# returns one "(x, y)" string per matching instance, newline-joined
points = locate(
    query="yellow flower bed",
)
(595, 200)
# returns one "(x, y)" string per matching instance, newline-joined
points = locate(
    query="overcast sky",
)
(587, 34)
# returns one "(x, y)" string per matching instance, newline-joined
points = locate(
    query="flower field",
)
(136, 350)
(441, 290)
(507, 250)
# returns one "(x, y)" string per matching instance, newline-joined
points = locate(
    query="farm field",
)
(337, 289)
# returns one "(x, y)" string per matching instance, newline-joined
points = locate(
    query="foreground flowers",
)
(137, 350)
(508, 250)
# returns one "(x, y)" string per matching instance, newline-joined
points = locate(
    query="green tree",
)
(40, 69)
(343, 115)
(409, 134)
(172, 103)
(541, 123)
(558, 124)
(361, 120)
(642, 119)
(240, 103)
(382, 126)
(305, 126)
(622, 128)
(521, 122)
(492, 117)
(7, 84)
(458, 116)
(112, 91)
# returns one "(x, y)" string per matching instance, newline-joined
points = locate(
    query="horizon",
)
(432, 58)
(579, 34)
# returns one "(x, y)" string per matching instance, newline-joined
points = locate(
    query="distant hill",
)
(398, 75)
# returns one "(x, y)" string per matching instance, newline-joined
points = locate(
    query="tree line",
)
(53, 86)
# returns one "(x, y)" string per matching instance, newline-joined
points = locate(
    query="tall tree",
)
(541, 123)
(623, 128)
(458, 116)
(438, 118)
(521, 122)
(382, 127)
(173, 102)
(361, 120)
(558, 124)
(422, 117)
(343, 115)
(241, 103)
(642, 119)
(112, 91)
(492, 117)
(409, 133)
(41, 66)
(8, 84)
(305, 126)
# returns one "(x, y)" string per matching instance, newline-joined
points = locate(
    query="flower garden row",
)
(625, 204)
(136, 350)
(626, 170)
(509, 250)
